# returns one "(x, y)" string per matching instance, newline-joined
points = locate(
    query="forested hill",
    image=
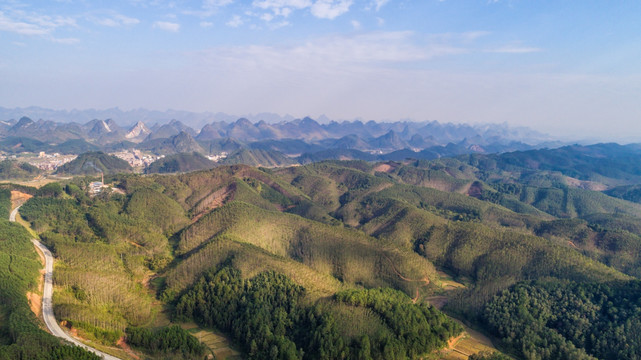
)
(182, 162)
(93, 163)
(342, 259)
(608, 164)
(21, 336)
(10, 170)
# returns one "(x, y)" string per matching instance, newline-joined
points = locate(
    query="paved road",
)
(12, 216)
(47, 305)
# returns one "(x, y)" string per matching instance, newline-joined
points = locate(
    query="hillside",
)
(21, 336)
(183, 162)
(179, 143)
(93, 163)
(258, 157)
(347, 241)
(10, 170)
(607, 164)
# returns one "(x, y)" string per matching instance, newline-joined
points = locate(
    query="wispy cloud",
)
(32, 24)
(116, 20)
(21, 27)
(332, 54)
(208, 8)
(330, 9)
(281, 7)
(514, 50)
(378, 4)
(235, 21)
(356, 25)
(323, 9)
(467, 36)
(166, 26)
(216, 3)
(66, 41)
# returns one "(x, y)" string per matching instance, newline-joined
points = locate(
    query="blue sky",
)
(564, 67)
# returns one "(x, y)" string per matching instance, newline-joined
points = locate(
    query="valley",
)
(347, 259)
(320, 180)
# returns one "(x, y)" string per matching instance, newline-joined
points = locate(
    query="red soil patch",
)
(72, 330)
(475, 189)
(386, 168)
(35, 303)
(452, 341)
(415, 299)
(123, 345)
(214, 200)
(19, 198)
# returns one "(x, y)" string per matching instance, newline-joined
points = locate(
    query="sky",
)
(569, 68)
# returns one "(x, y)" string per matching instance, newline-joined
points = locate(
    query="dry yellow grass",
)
(472, 342)
(37, 182)
(217, 343)
(447, 283)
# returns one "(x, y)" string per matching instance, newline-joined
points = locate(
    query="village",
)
(52, 161)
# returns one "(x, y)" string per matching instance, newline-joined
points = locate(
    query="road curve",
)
(47, 304)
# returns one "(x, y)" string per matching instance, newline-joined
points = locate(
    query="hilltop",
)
(182, 162)
(10, 170)
(360, 249)
(93, 163)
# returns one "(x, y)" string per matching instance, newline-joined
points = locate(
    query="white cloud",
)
(117, 20)
(44, 26)
(280, 7)
(378, 4)
(20, 27)
(284, 12)
(281, 4)
(51, 22)
(324, 9)
(356, 25)
(333, 54)
(208, 8)
(167, 26)
(380, 21)
(216, 3)
(206, 24)
(330, 9)
(107, 22)
(235, 21)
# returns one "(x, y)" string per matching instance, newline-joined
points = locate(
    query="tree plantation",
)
(336, 260)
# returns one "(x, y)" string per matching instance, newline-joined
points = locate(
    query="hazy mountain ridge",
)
(175, 136)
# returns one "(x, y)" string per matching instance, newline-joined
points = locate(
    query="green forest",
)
(21, 336)
(345, 259)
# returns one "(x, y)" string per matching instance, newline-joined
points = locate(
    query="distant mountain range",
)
(283, 142)
(129, 117)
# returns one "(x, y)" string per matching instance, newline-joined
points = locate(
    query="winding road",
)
(47, 304)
